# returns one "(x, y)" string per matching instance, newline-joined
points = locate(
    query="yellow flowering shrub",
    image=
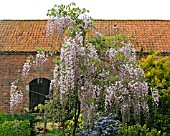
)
(157, 70)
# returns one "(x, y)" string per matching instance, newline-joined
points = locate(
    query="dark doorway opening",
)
(39, 89)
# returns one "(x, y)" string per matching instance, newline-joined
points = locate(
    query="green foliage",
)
(73, 12)
(66, 10)
(99, 43)
(138, 130)
(65, 128)
(157, 72)
(117, 39)
(70, 125)
(160, 118)
(103, 43)
(20, 117)
(15, 128)
(54, 107)
(2, 117)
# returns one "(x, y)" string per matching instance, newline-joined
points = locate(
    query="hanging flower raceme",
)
(125, 54)
(86, 21)
(67, 66)
(16, 96)
(88, 90)
(40, 59)
(49, 28)
(54, 82)
(128, 52)
(155, 97)
(59, 24)
(98, 34)
(39, 63)
(26, 68)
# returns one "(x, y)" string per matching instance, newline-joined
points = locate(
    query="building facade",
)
(21, 38)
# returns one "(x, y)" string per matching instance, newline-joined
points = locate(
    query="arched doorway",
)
(39, 89)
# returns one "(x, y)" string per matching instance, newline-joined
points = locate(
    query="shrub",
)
(157, 70)
(32, 119)
(15, 128)
(21, 117)
(157, 73)
(69, 125)
(160, 118)
(138, 130)
(2, 117)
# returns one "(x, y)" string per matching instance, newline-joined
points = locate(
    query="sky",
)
(99, 9)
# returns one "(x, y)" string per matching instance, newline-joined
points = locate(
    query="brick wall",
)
(10, 69)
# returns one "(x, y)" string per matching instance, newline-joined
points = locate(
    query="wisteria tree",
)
(89, 75)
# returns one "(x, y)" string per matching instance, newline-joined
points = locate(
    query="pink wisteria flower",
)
(49, 28)
(40, 59)
(16, 96)
(99, 34)
(59, 24)
(26, 68)
(155, 96)
(68, 75)
(86, 21)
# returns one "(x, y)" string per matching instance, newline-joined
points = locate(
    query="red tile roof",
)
(24, 35)
(27, 35)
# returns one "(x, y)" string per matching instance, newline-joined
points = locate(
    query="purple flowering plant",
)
(88, 71)
(16, 96)
(89, 75)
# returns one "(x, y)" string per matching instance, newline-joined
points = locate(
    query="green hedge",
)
(15, 128)
(20, 117)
